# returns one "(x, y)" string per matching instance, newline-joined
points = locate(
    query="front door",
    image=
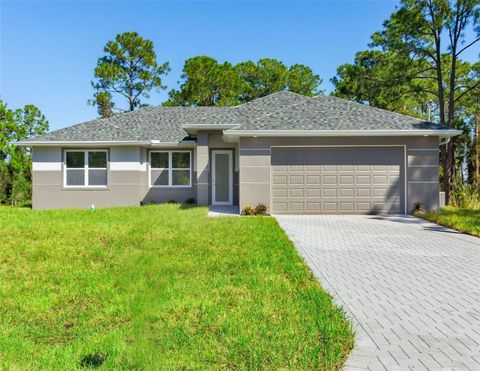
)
(222, 177)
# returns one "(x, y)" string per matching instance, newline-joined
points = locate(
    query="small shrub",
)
(191, 201)
(248, 210)
(173, 202)
(261, 209)
(418, 209)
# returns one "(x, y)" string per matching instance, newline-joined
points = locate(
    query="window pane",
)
(159, 160)
(97, 159)
(75, 159)
(160, 177)
(181, 177)
(97, 177)
(181, 160)
(75, 177)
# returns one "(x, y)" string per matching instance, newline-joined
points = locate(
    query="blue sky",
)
(48, 50)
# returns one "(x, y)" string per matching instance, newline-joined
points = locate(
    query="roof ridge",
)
(268, 96)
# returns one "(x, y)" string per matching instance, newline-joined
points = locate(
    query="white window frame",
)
(85, 169)
(169, 169)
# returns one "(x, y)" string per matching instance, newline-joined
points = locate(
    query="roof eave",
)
(443, 133)
(65, 143)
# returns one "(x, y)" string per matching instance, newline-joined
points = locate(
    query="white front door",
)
(222, 177)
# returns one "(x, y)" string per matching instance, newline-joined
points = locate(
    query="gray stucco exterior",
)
(128, 177)
(128, 169)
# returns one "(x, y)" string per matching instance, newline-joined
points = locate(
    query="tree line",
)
(129, 70)
(413, 66)
(16, 162)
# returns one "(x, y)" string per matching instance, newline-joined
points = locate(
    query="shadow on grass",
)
(93, 360)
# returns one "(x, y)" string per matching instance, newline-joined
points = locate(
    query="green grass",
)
(463, 220)
(159, 287)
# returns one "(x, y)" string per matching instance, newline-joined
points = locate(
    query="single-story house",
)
(295, 154)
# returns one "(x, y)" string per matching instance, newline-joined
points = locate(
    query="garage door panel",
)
(297, 192)
(347, 192)
(279, 168)
(338, 180)
(348, 168)
(329, 192)
(329, 179)
(279, 192)
(347, 206)
(279, 179)
(313, 179)
(313, 206)
(346, 179)
(296, 206)
(363, 206)
(294, 168)
(364, 192)
(295, 179)
(329, 206)
(332, 168)
(313, 192)
(280, 206)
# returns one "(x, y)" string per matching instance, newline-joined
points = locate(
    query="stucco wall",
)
(128, 172)
(421, 158)
(127, 181)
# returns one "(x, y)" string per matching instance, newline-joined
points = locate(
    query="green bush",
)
(191, 201)
(466, 196)
(21, 190)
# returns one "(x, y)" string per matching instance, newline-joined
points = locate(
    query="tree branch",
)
(468, 90)
(466, 47)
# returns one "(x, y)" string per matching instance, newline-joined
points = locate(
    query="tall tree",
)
(265, 77)
(429, 37)
(129, 68)
(302, 80)
(206, 83)
(269, 75)
(376, 78)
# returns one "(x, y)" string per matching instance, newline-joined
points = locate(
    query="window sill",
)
(80, 188)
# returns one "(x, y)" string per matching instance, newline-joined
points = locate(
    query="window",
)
(170, 169)
(86, 168)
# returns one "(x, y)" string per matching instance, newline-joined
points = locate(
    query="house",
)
(295, 154)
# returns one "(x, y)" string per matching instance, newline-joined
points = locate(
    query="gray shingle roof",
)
(279, 111)
(330, 113)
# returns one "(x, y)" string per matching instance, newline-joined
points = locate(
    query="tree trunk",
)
(441, 108)
(476, 147)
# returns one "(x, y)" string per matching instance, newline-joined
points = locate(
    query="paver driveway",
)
(412, 288)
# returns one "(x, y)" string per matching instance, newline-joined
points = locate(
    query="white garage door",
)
(349, 180)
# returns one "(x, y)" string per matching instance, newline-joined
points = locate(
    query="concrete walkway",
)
(411, 288)
(227, 210)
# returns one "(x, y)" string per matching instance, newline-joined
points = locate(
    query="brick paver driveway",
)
(411, 288)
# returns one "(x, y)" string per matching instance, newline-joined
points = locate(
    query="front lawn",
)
(159, 287)
(463, 220)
